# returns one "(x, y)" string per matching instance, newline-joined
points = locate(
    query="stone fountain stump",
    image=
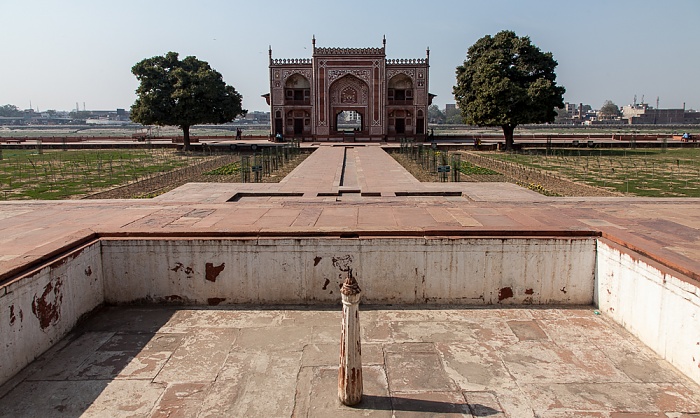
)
(350, 370)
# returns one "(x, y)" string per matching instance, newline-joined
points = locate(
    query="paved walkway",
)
(311, 199)
(227, 362)
(517, 363)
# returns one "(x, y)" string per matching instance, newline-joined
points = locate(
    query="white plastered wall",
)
(390, 270)
(658, 307)
(41, 307)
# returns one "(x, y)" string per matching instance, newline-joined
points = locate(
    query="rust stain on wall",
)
(343, 263)
(317, 260)
(12, 315)
(88, 271)
(47, 308)
(325, 284)
(563, 289)
(212, 271)
(215, 301)
(505, 293)
(188, 270)
(529, 292)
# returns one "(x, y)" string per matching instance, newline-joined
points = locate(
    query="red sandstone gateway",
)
(346, 94)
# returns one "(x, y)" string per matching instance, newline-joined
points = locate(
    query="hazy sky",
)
(56, 53)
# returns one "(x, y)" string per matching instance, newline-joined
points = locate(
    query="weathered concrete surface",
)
(668, 229)
(350, 367)
(440, 362)
(42, 307)
(633, 293)
(507, 271)
(663, 231)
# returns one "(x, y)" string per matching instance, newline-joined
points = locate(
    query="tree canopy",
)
(182, 93)
(609, 110)
(435, 115)
(10, 110)
(507, 81)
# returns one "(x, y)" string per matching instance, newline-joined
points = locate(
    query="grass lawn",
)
(28, 174)
(649, 172)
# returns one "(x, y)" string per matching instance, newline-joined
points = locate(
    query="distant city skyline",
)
(57, 54)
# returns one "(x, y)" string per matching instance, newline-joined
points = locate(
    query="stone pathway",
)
(228, 362)
(311, 199)
(515, 363)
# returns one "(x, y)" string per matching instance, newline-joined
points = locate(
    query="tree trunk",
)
(508, 136)
(186, 137)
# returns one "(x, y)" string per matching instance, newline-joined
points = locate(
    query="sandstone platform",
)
(163, 361)
(187, 362)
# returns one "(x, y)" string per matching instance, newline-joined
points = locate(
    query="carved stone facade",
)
(388, 98)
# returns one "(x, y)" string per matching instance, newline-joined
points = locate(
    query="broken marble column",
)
(350, 370)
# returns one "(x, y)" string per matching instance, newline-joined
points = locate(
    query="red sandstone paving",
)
(666, 228)
(522, 217)
(241, 216)
(443, 216)
(369, 216)
(345, 217)
(497, 221)
(278, 217)
(463, 217)
(321, 170)
(414, 217)
(307, 217)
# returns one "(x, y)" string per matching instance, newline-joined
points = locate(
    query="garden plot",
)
(28, 174)
(650, 172)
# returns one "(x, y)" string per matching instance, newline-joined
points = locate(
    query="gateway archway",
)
(342, 89)
(349, 121)
(348, 104)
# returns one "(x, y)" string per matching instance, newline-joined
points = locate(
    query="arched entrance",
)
(349, 121)
(343, 92)
(297, 90)
(348, 105)
(297, 101)
(400, 101)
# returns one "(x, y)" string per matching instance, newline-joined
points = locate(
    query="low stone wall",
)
(655, 304)
(478, 271)
(659, 306)
(42, 306)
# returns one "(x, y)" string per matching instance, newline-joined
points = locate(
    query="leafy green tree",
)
(609, 110)
(507, 81)
(453, 115)
(455, 119)
(9, 110)
(182, 93)
(435, 115)
(563, 116)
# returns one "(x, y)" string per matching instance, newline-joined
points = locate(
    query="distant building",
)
(257, 116)
(575, 114)
(308, 96)
(108, 117)
(643, 114)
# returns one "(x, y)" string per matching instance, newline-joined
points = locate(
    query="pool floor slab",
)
(156, 361)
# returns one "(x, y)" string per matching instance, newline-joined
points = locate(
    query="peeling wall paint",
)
(480, 271)
(661, 310)
(212, 271)
(391, 270)
(45, 305)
